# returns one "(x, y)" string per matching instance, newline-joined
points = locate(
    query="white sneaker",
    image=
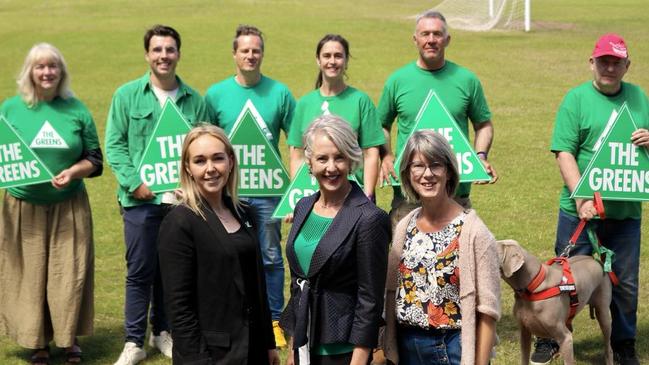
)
(163, 342)
(131, 355)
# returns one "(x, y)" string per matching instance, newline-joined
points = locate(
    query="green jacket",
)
(133, 114)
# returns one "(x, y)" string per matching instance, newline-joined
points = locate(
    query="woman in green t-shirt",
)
(47, 261)
(333, 96)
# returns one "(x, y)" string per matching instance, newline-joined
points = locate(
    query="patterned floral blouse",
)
(428, 292)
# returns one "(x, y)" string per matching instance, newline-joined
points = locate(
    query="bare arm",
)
(485, 337)
(79, 170)
(370, 169)
(570, 175)
(296, 157)
(484, 134)
(387, 162)
(360, 356)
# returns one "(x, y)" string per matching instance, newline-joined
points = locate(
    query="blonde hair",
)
(26, 87)
(191, 194)
(339, 132)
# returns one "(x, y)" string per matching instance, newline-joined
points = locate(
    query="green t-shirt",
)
(134, 112)
(406, 89)
(272, 99)
(581, 119)
(353, 105)
(58, 132)
(305, 244)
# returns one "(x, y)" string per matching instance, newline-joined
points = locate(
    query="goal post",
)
(483, 15)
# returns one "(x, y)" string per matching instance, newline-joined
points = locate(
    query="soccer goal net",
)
(483, 15)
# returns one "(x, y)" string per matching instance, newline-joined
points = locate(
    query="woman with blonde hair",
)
(443, 282)
(212, 273)
(47, 261)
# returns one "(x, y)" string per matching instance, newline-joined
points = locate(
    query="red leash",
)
(598, 204)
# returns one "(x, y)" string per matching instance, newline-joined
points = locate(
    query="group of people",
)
(204, 265)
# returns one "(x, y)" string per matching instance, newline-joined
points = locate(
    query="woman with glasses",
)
(443, 283)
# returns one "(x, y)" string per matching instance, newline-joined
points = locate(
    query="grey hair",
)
(339, 132)
(433, 147)
(26, 87)
(432, 14)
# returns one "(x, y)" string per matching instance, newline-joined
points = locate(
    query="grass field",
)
(524, 76)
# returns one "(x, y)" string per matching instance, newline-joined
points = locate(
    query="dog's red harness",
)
(567, 285)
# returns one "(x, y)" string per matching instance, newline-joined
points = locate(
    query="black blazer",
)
(204, 290)
(344, 286)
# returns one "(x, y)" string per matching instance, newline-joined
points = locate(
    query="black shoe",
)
(624, 353)
(545, 350)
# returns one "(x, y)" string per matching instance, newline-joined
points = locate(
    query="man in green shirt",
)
(458, 89)
(583, 117)
(133, 113)
(274, 105)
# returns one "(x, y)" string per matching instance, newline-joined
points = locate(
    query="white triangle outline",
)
(259, 120)
(291, 186)
(424, 105)
(624, 108)
(253, 111)
(49, 174)
(168, 104)
(47, 127)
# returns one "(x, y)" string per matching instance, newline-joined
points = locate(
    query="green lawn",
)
(524, 76)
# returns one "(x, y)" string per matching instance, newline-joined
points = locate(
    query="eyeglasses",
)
(419, 168)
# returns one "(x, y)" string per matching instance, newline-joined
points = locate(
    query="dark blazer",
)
(204, 291)
(343, 289)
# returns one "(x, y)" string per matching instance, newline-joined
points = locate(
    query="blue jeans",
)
(270, 237)
(421, 347)
(143, 282)
(623, 237)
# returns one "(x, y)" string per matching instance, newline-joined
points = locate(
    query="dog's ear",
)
(511, 257)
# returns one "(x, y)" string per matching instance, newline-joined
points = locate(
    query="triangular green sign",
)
(261, 172)
(160, 165)
(19, 165)
(301, 186)
(619, 170)
(434, 115)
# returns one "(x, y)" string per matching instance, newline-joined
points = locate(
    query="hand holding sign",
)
(640, 137)
(619, 169)
(387, 170)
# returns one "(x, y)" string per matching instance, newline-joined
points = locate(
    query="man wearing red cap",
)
(583, 116)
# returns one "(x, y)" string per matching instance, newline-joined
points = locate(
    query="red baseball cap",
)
(610, 44)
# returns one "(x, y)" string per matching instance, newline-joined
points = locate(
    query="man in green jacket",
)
(134, 111)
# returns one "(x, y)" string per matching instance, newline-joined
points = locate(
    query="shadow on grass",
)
(587, 350)
(104, 347)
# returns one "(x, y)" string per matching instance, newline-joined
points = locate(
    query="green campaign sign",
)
(434, 115)
(261, 172)
(619, 170)
(19, 165)
(303, 185)
(160, 165)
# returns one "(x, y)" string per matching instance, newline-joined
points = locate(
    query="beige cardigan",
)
(479, 282)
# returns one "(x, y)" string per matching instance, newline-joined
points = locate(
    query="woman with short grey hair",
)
(338, 246)
(443, 283)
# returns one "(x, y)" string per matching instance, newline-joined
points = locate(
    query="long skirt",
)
(46, 271)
